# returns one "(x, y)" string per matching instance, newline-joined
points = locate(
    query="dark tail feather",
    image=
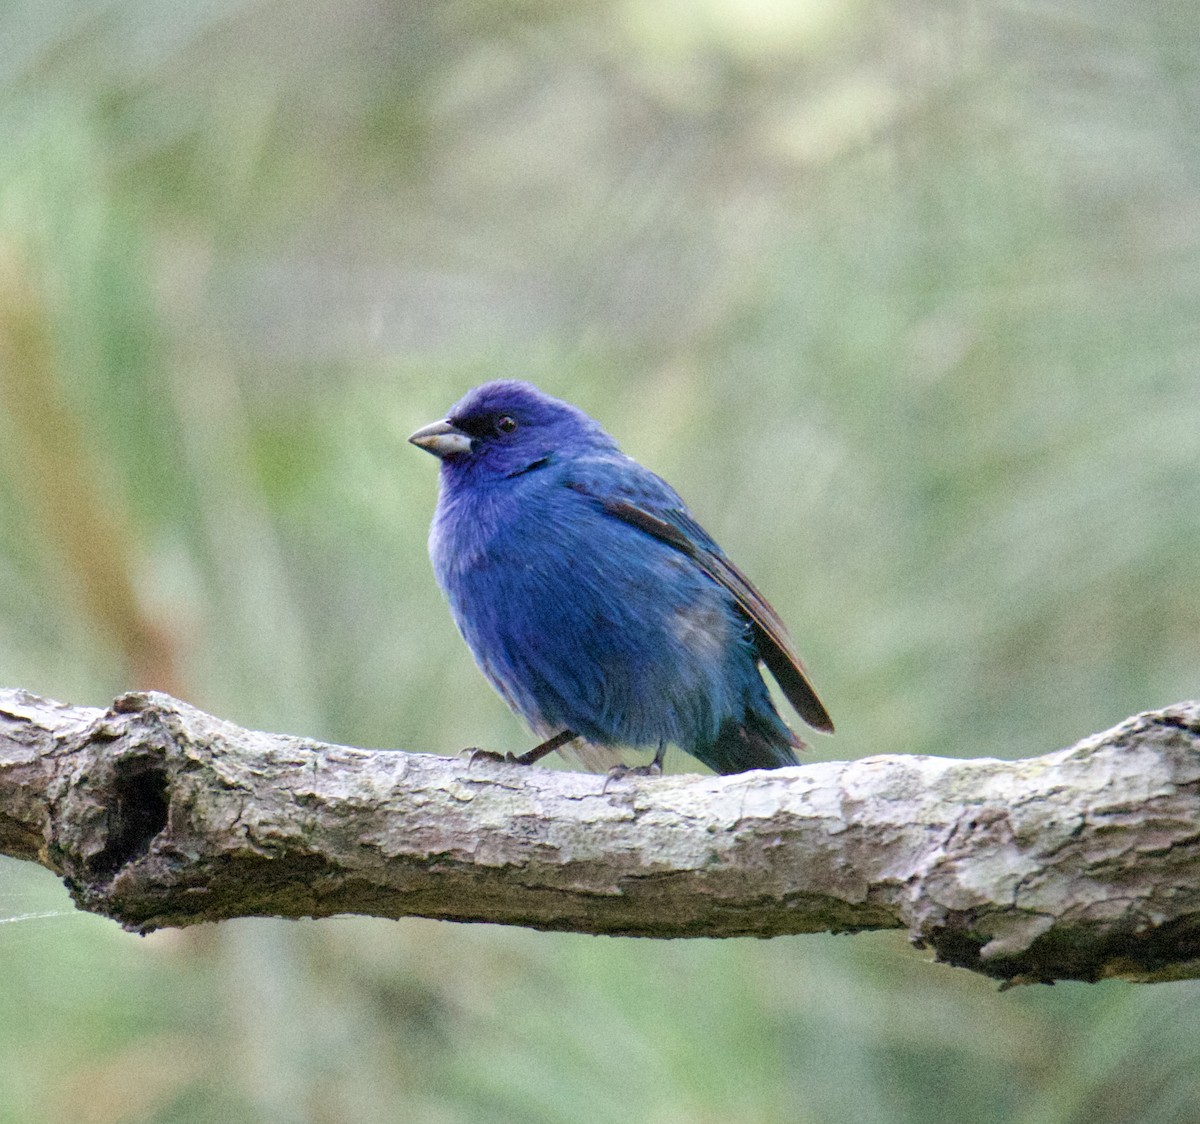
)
(754, 743)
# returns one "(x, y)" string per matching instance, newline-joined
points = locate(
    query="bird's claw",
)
(472, 755)
(619, 772)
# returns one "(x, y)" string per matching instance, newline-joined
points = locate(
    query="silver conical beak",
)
(441, 439)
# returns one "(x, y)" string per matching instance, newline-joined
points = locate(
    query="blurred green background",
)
(902, 297)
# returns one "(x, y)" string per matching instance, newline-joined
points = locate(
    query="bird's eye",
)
(505, 424)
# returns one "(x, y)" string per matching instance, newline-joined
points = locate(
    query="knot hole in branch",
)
(136, 813)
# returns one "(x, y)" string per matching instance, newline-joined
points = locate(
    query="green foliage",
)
(902, 300)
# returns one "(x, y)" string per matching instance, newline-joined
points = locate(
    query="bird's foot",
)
(472, 755)
(619, 772)
(528, 758)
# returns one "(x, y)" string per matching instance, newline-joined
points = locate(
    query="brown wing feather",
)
(770, 633)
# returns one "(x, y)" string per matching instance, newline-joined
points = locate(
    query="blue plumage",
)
(592, 600)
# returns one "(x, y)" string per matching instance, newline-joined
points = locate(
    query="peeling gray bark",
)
(1082, 864)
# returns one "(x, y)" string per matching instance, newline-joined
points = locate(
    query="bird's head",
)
(506, 428)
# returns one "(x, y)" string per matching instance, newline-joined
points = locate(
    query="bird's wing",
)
(647, 502)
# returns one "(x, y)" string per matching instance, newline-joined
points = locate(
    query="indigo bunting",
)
(593, 601)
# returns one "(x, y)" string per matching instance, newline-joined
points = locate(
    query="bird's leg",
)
(534, 755)
(548, 746)
(654, 769)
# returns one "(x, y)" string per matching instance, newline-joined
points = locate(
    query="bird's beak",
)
(441, 439)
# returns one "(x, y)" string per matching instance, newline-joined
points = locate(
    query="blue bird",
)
(591, 598)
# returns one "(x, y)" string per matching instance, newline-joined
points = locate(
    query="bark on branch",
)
(1082, 864)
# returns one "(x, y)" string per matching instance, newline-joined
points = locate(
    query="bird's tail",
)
(756, 742)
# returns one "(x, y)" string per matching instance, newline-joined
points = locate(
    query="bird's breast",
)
(464, 526)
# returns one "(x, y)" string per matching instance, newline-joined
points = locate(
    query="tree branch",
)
(1082, 864)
